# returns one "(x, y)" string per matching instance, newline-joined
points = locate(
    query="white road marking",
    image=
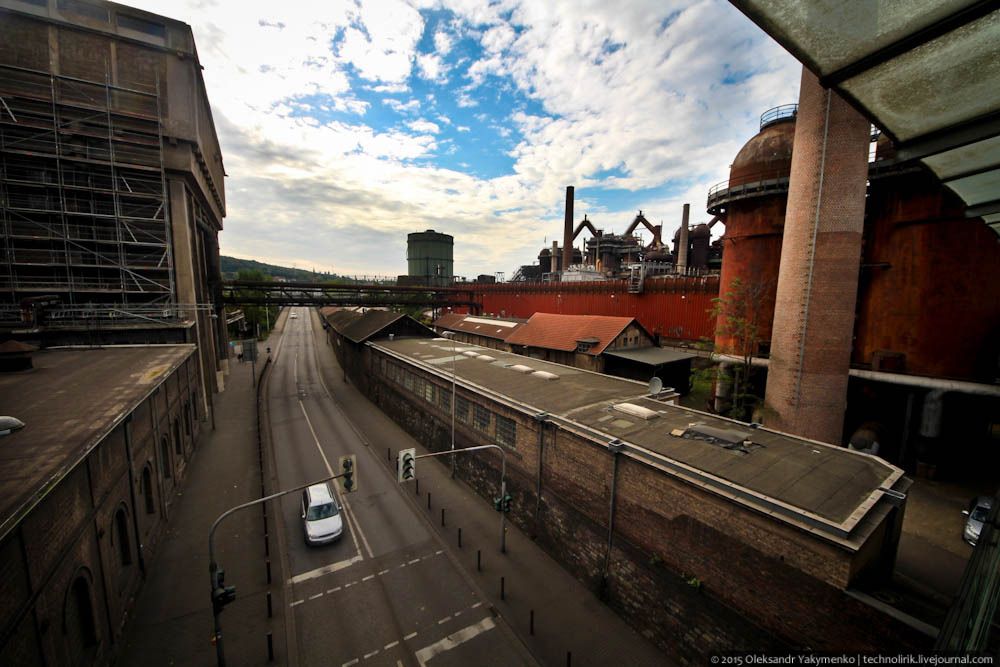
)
(350, 662)
(415, 560)
(438, 552)
(476, 605)
(381, 572)
(326, 569)
(370, 576)
(333, 590)
(453, 640)
(443, 620)
(389, 646)
(297, 602)
(368, 655)
(313, 597)
(409, 636)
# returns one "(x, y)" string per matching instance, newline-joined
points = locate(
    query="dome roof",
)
(770, 150)
(700, 231)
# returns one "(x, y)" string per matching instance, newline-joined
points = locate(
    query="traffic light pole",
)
(213, 567)
(503, 481)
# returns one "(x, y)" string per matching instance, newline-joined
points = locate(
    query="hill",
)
(231, 266)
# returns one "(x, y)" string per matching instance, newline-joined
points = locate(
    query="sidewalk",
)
(568, 618)
(171, 623)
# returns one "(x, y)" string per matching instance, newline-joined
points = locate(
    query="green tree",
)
(739, 315)
(260, 319)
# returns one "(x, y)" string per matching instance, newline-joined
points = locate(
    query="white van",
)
(321, 515)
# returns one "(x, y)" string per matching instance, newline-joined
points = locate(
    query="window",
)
(81, 630)
(147, 490)
(428, 392)
(444, 399)
(165, 457)
(121, 537)
(187, 418)
(462, 409)
(142, 25)
(84, 9)
(481, 419)
(506, 431)
(177, 437)
(408, 380)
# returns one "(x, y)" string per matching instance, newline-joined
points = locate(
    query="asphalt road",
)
(386, 593)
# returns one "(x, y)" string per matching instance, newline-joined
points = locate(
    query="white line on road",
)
(415, 560)
(409, 636)
(350, 662)
(444, 620)
(381, 572)
(370, 576)
(389, 646)
(333, 590)
(326, 569)
(368, 655)
(297, 602)
(478, 604)
(453, 640)
(318, 595)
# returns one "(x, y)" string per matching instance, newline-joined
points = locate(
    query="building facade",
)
(111, 181)
(87, 489)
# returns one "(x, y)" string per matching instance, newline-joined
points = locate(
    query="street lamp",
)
(450, 335)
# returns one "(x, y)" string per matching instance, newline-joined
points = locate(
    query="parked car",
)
(294, 316)
(321, 515)
(978, 510)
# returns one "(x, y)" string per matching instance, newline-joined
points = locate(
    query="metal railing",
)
(778, 113)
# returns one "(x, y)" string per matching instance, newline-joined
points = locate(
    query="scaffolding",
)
(83, 201)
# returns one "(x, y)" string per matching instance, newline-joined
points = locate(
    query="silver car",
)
(978, 510)
(321, 515)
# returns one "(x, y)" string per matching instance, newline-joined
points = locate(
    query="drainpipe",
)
(127, 427)
(615, 447)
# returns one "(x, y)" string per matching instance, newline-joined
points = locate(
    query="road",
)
(386, 593)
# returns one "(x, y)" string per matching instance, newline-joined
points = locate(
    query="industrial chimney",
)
(682, 243)
(568, 230)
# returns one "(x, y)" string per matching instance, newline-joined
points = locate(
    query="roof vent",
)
(636, 411)
(727, 438)
(471, 353)
(486, 357)
(10, 424)
(545, 375)
(521, 368)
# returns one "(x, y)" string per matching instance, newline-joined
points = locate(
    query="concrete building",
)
(85, 491)
(112, 187)
(703, 533)
(489, 332)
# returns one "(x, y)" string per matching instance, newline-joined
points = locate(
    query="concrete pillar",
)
(820, 257)
(682, 241)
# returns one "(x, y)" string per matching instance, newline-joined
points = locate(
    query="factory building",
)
(111, 181)
(733, 526)
(87, 487)
(926, 336)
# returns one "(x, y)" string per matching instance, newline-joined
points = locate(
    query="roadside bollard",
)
(459, 538)
(270, 648)
(569, 659)
(479, 560)
(428, 500)
(388, 453)
(501, 589)
(267, 564)
(531, 623)
(269, 609)
(267, 546)
(417, 487)
(442, 516)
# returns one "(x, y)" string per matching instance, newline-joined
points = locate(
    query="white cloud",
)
(423, 126)
(632, 87)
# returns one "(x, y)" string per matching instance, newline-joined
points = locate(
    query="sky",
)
(346, 125)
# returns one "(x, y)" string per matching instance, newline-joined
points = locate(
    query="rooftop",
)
(69, 402)
(489, 327)
(553, 331)
(824, 489)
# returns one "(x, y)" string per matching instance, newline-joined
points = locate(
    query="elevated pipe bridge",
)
(260, 293)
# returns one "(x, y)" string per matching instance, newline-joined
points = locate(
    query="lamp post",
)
(450, 335)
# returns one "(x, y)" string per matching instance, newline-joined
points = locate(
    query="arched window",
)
(177, 437)
(147, 490)
(187, 418)
(80, 626)
(121, 537)
(165, 458)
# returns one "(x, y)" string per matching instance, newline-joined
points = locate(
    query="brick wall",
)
(689, 570)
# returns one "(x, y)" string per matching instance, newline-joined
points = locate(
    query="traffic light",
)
(505, 502)
(222, 594)
(406, 465)
(348, 466)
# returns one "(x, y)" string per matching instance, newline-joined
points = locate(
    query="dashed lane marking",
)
(390, 645)
(370, 576)
(444, 620)
(325, 570)
(351, 662)
(296, 603)
(453, 640)
(368, 655)
(313, 597)
(409, 636)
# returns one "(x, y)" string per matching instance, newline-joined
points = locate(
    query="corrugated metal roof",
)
(553, 331)
(359, 327)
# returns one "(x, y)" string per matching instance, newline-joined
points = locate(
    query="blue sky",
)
(346, 125)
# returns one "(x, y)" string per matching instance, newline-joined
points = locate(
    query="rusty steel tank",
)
(929, 294)
(751, 204)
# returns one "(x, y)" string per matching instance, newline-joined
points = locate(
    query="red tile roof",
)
(488, 327)
(561, 332)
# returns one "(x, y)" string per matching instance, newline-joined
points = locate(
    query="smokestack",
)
(568, 230)
(682, 243)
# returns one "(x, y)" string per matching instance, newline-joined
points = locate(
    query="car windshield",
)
(979, 514)
(317, 512)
